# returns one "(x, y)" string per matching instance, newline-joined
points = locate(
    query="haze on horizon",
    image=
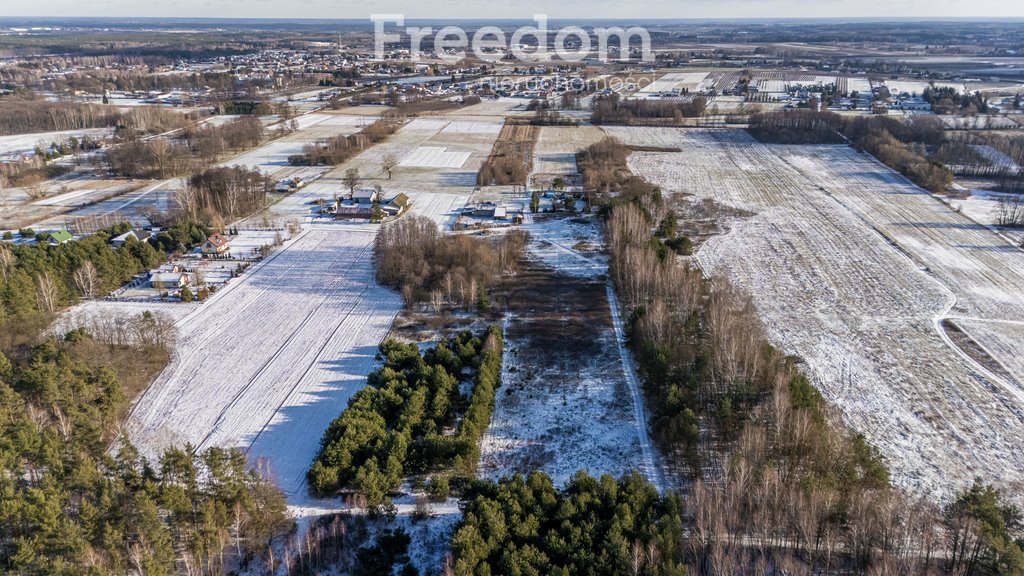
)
(476, 9)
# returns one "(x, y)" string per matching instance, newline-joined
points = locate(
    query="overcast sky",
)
(583, 9)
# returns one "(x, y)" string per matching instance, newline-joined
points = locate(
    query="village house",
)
(364, 196)
(59, 237)
(121, 240)
(215, 244)
(163, 280)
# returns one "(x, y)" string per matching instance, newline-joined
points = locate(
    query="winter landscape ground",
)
(853, 268)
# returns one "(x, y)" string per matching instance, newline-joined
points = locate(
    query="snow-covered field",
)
(436, 154)
(852, 268)
(1001, 339)
(570, 246)
(642, 136)
(18, 143)
(678, 81)
(100, 311)
(860, 85)
(434, 157)
(918, 86)
(555, 151)
(269, 361)
(980, 122)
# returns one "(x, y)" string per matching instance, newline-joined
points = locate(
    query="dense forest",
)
(591, 526)
(412, 419)
(67, 506)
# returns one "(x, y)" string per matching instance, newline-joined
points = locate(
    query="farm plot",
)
(675, 83)
(555, 151)
(980, 122)
(668, 138)
(431, 158)
(918, 87)
(981, 269)
(434, 157)
(565, 402)
(496, 108)
(272, 156)
(95, 312)
(853, 305)
(860, 85)
(268, 362)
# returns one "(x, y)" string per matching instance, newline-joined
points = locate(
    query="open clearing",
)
(852, 268)
(565, 403)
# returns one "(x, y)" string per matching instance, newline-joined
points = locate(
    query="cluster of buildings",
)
(370, 204)
(489, 215)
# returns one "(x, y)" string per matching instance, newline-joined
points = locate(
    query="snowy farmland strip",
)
(851, 266)
(272, 359)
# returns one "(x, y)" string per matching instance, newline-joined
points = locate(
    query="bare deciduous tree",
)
(6, 260)
(46, 293)
(389, 162)
(87, 280)
(351, 179)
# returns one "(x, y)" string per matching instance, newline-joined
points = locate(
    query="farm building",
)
(59, 237)
(140, 235)
(290, 184)
(396, 206)
(353, 210)
(215, 244)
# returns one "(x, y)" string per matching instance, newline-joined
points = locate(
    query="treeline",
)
(223, 194)
(591, 526)
(890, 140)
(613, 109)
(338, 149)
(607, 527)
(511, 156)
(195, 148)
(70, 507)
(412, 418)
(946, 100)
(20, 116)
(605, 171)
(342, 543)
(412, 256)
(38, 280)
